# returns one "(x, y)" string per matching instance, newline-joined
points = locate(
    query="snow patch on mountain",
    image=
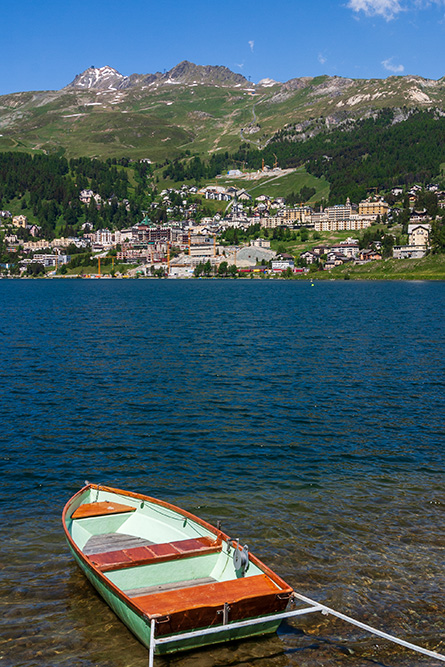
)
(103, 78)
(267, 83)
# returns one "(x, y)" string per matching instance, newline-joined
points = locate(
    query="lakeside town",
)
(250, 236)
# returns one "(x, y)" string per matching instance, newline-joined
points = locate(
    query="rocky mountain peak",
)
(298, 83)
(99, 78)
(189, 73)
(186, 73)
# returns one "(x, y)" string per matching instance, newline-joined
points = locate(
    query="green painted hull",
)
(140, 626)
(208, 640)
(122, 586)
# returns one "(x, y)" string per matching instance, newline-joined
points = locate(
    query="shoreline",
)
(312, 279)
(430, 267)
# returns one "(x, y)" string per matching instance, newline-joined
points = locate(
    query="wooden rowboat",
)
(174, 580)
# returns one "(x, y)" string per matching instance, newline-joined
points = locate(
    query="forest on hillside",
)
(375, 153)
(49, 186)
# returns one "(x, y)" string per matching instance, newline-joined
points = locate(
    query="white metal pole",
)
(151, 654)
(239, 624)
(315, 606)
(374, 631)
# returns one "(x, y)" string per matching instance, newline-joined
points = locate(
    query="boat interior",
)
(159, 558)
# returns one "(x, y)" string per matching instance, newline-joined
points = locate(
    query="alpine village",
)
(197, 172)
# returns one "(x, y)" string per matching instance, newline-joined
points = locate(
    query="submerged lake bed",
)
(308, 419)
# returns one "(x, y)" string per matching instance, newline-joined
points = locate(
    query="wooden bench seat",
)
(201, 606)
(113, 542)
(155, 553)
(103, 508)
(188, 583)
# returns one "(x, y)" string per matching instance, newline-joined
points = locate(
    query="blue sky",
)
(46, 44)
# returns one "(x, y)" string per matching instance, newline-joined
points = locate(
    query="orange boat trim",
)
(100, 509)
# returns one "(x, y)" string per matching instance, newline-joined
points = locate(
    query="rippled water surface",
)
(308, 419)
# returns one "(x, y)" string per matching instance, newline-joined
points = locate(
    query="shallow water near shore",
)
(309, 420)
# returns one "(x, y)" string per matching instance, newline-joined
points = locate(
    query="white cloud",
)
(397, 69)
(389, 9)
(240, 65)
(386, 8)
(321, 59)
(251, 44)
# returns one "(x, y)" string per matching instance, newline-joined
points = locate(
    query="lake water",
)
(308, 419)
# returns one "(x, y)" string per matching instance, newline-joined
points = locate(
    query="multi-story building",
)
(34, 230)
(103, 236)
(309, 257)
(163, 234)
(369, 255)
(65, 242)
(271, 222)
(418, 234)
(20, 221)
(373, 207)
(408, 251)
(353, 223)
(334, 259)
(32, 246)
(418, 242)
(219, 196)
(243, 195)
(123, 235)
(51, 260)
(320, 250)
(299, 214)
(147, 253)
(348, 249)
(204, 250)
(339, 211)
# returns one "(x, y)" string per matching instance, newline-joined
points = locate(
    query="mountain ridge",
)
(106, 77)
(188, 72)
(201, 109)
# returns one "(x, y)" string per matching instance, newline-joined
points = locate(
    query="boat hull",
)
(139, 622)
(138, 625)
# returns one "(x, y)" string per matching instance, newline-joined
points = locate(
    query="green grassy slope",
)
(280, 186)
(163, 121)
(431, 267)
(284, 185)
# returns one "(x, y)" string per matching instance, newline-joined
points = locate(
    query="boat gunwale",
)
(115, 590)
